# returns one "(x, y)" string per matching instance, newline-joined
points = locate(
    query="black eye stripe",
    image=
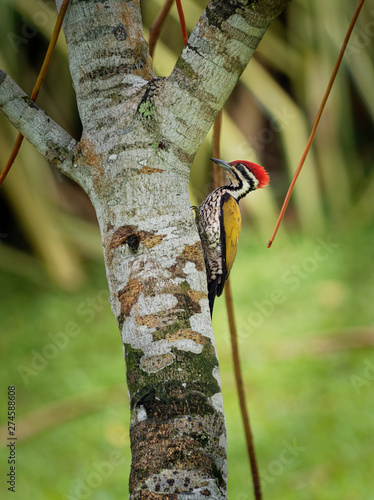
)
(242, 181)
(246, 174)
(243, 172)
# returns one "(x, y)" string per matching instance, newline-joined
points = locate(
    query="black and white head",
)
(244, 176)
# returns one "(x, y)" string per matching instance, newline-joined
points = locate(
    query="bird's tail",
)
(212, 292)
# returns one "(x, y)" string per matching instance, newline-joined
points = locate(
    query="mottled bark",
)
(140, 134)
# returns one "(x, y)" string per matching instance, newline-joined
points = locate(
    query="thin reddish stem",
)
(155, 29)
(241, 394)
(216, 151)
(12, 157)
(38, 84)
(316, 121)
(182, 21)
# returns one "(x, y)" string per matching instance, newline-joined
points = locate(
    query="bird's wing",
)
(231, 224)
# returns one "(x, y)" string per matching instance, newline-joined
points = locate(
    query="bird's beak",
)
(222, 164)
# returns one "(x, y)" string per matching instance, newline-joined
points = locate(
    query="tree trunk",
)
(140, 135)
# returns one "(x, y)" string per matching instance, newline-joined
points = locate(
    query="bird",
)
(218, 221)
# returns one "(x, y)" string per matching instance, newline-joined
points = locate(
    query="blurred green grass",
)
(305, 363)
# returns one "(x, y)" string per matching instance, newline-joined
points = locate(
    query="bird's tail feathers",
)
(212, 293)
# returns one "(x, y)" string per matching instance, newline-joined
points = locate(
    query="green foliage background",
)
(304, 308)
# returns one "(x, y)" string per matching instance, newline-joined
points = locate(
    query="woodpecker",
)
(218, 221)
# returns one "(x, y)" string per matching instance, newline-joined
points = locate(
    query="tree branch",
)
(51, 140)
(107, 54)
(217, 52)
